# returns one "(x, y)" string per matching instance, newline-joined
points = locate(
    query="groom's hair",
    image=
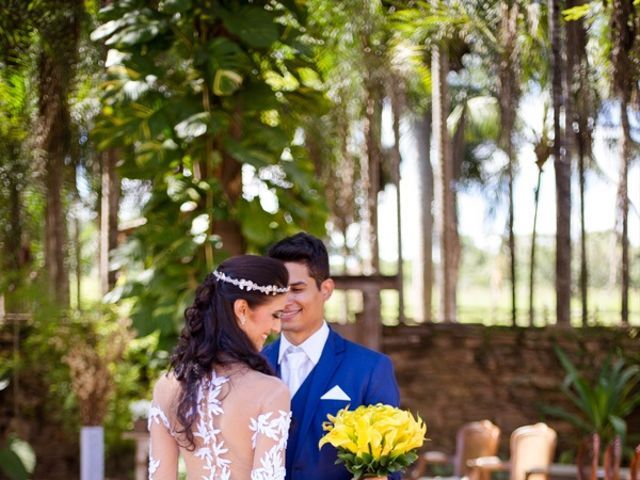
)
(307, 249)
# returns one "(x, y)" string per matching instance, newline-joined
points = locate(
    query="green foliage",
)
(362, 466)
(200, 97)
(134, 377)
(603, 403)
(577, 12)
(17, 459)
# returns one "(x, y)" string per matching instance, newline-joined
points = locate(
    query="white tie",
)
(298, 368)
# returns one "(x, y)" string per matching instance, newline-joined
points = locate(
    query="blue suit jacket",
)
(364, 375)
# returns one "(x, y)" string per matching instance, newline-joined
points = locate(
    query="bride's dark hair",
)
(211, 335)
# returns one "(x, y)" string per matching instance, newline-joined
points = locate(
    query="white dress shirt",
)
(296, 362)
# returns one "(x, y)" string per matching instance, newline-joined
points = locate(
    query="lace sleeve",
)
(270, 432)
(163, 448)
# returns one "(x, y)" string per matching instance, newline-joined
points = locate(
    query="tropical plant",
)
(604, 402)
(205, 99)
(17, 459)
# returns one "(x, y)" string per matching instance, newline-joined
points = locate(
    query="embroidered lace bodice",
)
(240, 431)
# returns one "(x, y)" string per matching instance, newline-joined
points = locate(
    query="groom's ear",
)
(326, 288)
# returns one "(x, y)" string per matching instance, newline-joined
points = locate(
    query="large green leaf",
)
(172, 7)
(143, 31)
(256, 223)
(253, 25)
(17, 460)
(226, 82)
(244, 152)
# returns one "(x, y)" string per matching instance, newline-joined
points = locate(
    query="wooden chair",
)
(473, 439)
(588, 454)
(532, 448)
(634, 467)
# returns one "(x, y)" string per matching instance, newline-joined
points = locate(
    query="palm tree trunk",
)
(395, 107)
(372, 176)
(578, 105)
(584, 273)
(623, 36)
(534, 235)
(54, 121)
(563, 177)
(512, 237)
(509, 94)
(623, 203)
(439, 70)
(423, 267)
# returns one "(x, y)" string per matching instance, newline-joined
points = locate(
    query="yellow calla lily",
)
(376, 430)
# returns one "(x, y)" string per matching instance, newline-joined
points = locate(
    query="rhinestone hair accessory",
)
(248, 285)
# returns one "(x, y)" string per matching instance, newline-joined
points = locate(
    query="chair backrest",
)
(474, 439)
(634, 468)
(532, 446)
(588, 455)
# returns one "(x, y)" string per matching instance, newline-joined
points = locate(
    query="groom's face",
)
(304, 311)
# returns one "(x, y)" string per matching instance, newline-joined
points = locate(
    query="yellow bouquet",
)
(374, 440)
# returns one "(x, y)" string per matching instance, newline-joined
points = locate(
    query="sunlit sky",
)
(486, 229)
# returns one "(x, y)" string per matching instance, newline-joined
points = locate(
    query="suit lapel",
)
(330, 360)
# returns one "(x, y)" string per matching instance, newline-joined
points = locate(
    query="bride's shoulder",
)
(265, 382)
(166, 388)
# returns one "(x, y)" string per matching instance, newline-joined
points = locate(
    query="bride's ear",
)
(240, 309)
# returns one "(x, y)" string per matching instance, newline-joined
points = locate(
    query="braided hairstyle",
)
(211, 335)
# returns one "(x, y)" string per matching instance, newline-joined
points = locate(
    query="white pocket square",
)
(336, 393)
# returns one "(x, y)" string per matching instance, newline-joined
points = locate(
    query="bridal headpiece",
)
(248, 285)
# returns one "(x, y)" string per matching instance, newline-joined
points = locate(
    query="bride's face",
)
(264, 319)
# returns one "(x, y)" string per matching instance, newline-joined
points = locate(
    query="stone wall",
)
(453, 373)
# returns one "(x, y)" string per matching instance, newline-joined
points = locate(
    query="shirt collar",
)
(312, 346)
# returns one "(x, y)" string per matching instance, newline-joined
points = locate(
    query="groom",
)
(324, 371)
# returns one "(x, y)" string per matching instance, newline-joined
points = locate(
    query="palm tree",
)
(449, 242)
(581, 114)
(623, 23)
(563, 173)
(542, 150)
(423, 267)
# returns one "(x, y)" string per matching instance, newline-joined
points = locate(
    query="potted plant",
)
(98, 343)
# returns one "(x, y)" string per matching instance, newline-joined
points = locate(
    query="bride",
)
(220, 406)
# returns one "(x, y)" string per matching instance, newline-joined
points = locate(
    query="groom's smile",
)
(303, 313)
(289, 313)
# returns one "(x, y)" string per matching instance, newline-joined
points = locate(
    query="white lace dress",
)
(240, 431)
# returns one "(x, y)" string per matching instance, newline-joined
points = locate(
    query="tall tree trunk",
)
(230, 175)
(16, 253)
(59, 33)
(508, 101)
(563, 176)
(534, 235)
(577, 113)
(109, 204)
(229, 230)
(423, 267)
(448, 241)
(77, 250)
(623, 204)
(584, 272)
(623, 35)
(372, 132)
(396, 107)
(109, 201)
